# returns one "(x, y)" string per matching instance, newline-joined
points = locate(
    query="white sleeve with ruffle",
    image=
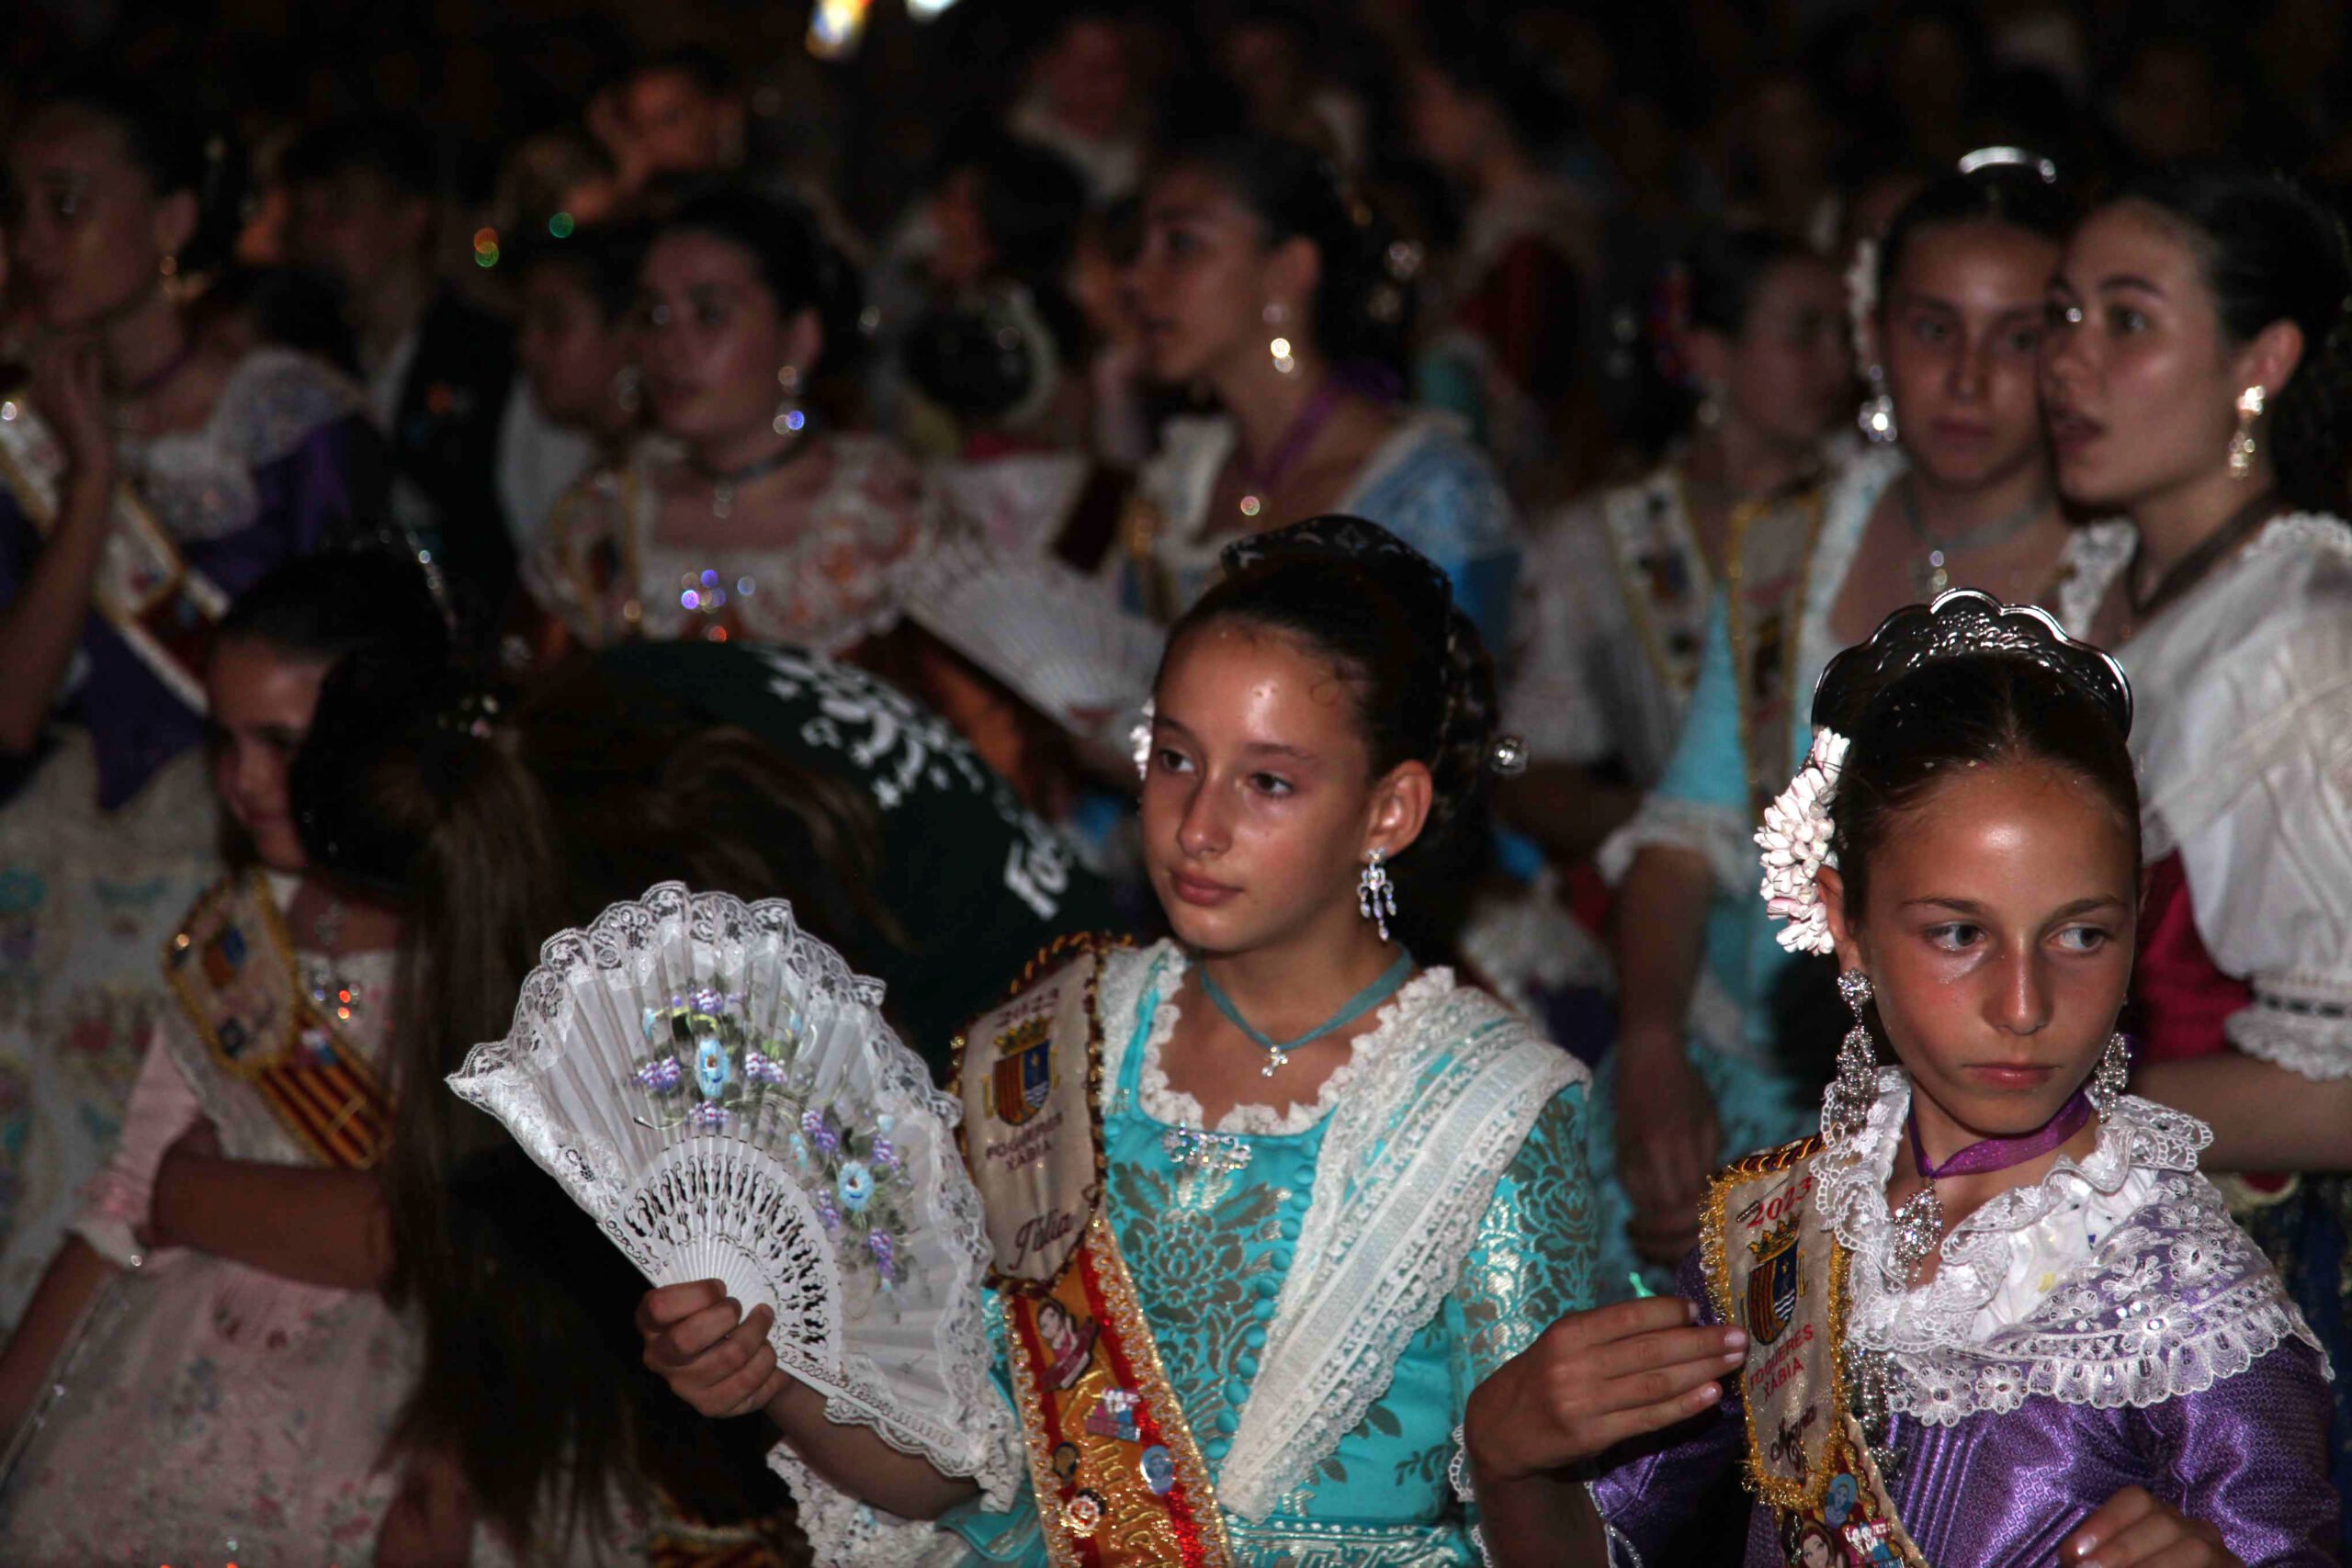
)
(2251, 781)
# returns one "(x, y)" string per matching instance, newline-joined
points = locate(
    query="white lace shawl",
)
(199, 483)
(2120, 1280)
(1442, 1095)
(1854, 494)
(2244, 737)
(832, 583)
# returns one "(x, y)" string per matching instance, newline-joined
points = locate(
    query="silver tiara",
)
(1961, 622)
(2018, 157)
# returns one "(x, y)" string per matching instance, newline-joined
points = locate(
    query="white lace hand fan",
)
(717, 1088)
(1056, 639)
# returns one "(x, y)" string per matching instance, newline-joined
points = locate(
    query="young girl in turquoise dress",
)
(1341, 1189)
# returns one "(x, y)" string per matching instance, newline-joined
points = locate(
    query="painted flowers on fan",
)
(707, 1070)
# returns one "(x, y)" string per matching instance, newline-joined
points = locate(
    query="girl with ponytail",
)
(492, 824)
(209, 1355)
(2198, 381)
(1338, 1187)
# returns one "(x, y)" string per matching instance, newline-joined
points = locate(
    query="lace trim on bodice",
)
(2095, 556)
(199, 483)
(1443, 1100)
(1172, 1106)
(2118, 1280)
(830, 583)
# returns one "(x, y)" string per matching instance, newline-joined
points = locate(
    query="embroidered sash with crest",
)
(162, 608)
(1776, 1269)
(232, 969)
(1662, 574)
(1769, 555)
(1118, 1479)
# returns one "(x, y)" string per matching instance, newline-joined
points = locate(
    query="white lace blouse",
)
(2244, 737)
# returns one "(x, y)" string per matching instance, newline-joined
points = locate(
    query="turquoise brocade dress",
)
(1349, 1470)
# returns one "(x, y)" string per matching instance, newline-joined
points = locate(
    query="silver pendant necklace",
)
(1933, 575)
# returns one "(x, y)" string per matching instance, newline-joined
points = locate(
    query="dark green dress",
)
(973, 883)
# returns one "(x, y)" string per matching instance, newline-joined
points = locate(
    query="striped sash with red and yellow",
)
(232, 965)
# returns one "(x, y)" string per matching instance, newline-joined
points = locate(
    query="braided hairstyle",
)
(1362, 308)
(2270, 252)
(1384, 617)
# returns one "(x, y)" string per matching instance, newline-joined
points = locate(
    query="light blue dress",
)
(1427, 484)
(1703, 803)
(1215, 1258)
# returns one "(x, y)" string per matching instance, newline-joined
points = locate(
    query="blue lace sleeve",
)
(1532, 1261)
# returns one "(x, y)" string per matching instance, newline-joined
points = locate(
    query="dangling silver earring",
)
(1375, 895)
(789, 419)
(1847, 1109)
(628, 388)
(1278, 346)
(2242, 447)
(1877, 416)
(2114, 1073)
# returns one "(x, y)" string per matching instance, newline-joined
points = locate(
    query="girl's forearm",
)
(322, 1227)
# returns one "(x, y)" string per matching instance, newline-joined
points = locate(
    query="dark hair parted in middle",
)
(1361, 312)
(2015, 195)
(2270, 252)
(1966, 711)
(801, 269)
(176, 147)
(1424, 685)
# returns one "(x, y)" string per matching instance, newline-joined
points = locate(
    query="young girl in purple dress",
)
(1994, 1313)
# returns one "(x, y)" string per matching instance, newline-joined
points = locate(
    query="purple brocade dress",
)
(2110, 1327)
(109, 832)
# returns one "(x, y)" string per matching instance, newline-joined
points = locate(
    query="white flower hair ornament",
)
(1795, 841)
(1139, 738)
